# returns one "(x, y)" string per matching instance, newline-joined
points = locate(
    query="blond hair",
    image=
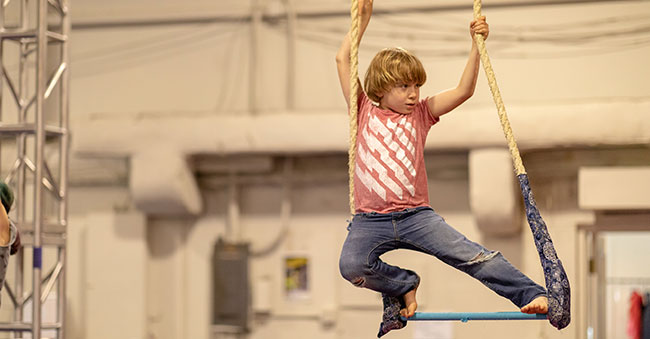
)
(392, 66)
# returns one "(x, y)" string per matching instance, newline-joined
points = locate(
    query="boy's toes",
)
(529, 309)
(539, 305)
(411, 310)
(543, 309)
(534, 309)
(407, 312)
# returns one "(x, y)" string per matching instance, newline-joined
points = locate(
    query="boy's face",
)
(401, 98)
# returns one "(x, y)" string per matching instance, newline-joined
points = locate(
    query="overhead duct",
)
(614, 188)
(162, 183)
(165, 174)
(493, 196)
(540, 127)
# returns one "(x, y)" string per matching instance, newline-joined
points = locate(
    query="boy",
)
(391, 193)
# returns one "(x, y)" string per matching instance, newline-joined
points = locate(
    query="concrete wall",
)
(175, 301)
(159, 75)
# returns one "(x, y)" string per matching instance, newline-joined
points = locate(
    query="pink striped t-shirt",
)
(389, 169)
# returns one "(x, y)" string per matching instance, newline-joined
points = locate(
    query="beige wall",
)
(175, 267)
(138, 276)
(203, 68)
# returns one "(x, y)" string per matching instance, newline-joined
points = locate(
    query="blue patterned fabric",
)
(391, 319)
(557, 283)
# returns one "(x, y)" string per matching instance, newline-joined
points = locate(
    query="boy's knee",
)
(353, 270)
(480, 258)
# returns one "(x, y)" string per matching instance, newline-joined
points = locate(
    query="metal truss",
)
(34, 82)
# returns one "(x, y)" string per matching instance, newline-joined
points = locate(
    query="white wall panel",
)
(611, 188)
(188, 83)
(111, 273)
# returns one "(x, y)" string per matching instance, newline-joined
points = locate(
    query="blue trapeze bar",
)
(467, 316)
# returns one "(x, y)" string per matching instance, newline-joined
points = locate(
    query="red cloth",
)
(634, 323)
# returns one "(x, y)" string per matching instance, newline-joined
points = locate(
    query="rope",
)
(557, 282)
(354, 89)
(496, 95)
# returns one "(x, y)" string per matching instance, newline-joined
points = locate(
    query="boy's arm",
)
(343, 55)
(446, 101)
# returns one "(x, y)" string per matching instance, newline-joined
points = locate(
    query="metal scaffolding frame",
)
(34, 126)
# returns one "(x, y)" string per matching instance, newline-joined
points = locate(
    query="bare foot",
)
(411, 304)
(539, 305)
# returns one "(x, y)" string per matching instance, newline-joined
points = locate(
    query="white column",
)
(494, 197)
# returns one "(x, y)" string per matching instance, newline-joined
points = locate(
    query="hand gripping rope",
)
(354, 90)
(557, 283)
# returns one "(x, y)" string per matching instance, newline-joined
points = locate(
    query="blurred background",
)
(193, 156)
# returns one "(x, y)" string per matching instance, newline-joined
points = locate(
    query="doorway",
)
(616, 265)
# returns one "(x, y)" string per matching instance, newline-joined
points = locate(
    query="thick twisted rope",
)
(354, 89)
(496, 95)
(557, 283)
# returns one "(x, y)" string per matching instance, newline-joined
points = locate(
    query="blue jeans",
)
(421, 229)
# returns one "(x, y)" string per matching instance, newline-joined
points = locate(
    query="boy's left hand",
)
(365, 10)
(479, 26)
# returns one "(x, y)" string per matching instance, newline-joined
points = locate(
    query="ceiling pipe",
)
(323, 11)
(255, 34)
(292, 19)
